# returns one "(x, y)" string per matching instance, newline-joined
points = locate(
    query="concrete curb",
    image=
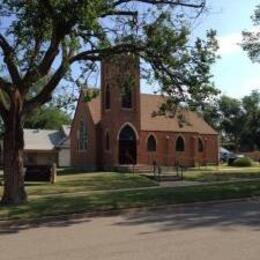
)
(34, 222)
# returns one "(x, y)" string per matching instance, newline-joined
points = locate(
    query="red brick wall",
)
(114, 73)
(166, 154)
(83, 159)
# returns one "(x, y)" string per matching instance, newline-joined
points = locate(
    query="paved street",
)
(224, 231)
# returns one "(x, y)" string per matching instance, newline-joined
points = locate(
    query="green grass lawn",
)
(221, 173)
(86, 182)
(79, 203)
(68, 198)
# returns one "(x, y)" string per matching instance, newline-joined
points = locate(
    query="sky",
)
(234, 74)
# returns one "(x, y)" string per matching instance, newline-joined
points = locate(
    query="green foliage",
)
(237, 120)
(42, 206)
(85, 32)
(90, 94)
(250, 138)
(251, 43)
(47, 117)
(243, 162)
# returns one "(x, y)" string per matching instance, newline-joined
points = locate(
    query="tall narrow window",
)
(180, 146)
(127, 96)
(107, 142)
(200, 145)
(151, 144)
(83, 136)
(107, 97)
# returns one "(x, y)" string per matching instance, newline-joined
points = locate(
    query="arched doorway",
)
(127, 146)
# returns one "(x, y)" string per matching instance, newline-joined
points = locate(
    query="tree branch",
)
(120, 12)
(46, 93)
(60, 29)
(45, 65)
(8, 52)
(169, 2)
(99, 54)
(5, 85)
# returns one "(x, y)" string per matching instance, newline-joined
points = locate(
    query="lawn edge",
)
(116, 212)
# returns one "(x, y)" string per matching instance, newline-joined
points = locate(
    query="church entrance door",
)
(127, 146)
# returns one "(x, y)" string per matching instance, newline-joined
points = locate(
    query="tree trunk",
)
(14, 191)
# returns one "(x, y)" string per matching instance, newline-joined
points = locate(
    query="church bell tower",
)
(120, 107)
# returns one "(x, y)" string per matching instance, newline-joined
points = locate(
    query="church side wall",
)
(85, 159)
(166, 154)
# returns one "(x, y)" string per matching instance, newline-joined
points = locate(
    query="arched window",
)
(83, 136)
(127, 96)
(180, 146)
(151, 144)
(107, 142)
(200, 145)
(107, 97)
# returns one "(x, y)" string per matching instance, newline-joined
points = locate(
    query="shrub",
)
(231, 161)
(243, 162)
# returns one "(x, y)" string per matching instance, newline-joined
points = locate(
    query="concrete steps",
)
(168, 173)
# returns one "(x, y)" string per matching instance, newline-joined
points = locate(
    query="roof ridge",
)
(151, 102)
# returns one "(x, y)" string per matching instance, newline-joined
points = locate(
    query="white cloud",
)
(243, 89)
(229, 44)
(251, 84)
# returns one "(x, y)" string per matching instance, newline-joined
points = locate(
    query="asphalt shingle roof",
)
(42, 140)
(150, 104)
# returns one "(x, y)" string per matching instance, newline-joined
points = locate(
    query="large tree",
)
(40, 38)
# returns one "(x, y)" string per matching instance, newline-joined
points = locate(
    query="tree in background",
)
(250, 137)
(232, 119)
(251, 40)
(43, 36)
(237, 120)
(251, 44)
(47, 117)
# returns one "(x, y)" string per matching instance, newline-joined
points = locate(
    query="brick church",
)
(118, 126)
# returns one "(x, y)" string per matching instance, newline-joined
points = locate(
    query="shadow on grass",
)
(72, 171)
(226, 217)
(248, 214)
(65, 221)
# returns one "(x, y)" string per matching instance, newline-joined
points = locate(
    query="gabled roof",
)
(94, 105)
(193, 122)
(95, 109)
(42, 140)
(66, 130)
(45, 139)
(150, 104)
